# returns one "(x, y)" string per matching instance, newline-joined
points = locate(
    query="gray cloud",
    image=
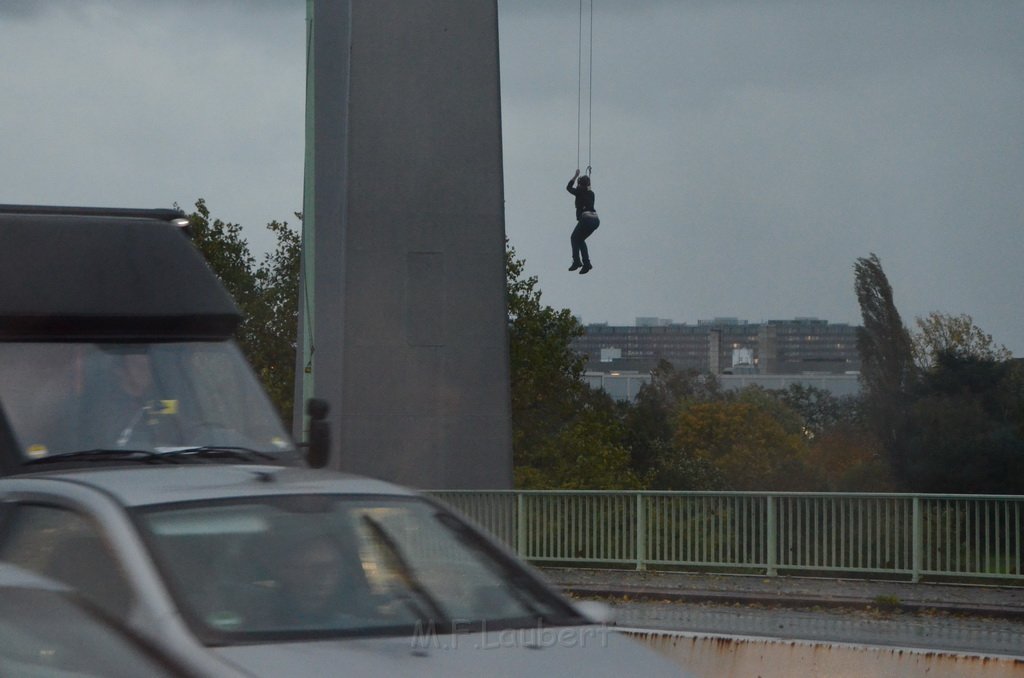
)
(154, 104)
(745, 153)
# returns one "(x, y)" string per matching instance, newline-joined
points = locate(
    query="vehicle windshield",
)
(299, 567)
(61, 398)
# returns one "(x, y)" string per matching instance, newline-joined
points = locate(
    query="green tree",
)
(967, 428)
(274, 341)
(842, 453)
(266, 292)
(545, 371)
(585, 452)
(940, 333)
(819, 410)
(227, 253)
(750, 442)
(650, 421)
(563, 434)
(846, 457)
(887, 367)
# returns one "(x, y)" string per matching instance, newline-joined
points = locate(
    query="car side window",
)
(66, 546)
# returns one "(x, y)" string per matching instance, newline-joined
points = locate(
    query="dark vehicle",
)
(147, 469)
(115, 343)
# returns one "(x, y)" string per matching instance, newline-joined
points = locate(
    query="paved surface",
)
(933, 631)
(977, 619)
(990, 601)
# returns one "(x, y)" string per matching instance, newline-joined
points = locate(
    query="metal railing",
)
(899, 535)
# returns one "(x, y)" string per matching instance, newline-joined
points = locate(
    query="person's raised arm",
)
(569, 186)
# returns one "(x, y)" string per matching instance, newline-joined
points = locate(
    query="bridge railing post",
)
(917, 547)
(772, 564)
(641, 532)
(521, 525)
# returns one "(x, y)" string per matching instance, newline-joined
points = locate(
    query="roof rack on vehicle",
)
(175, 216)
(98, 274)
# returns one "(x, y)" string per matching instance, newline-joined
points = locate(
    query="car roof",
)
(138, 487)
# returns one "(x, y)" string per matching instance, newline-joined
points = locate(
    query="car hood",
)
(548, 652)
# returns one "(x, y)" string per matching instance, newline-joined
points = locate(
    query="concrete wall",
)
(406, 201)
(722, 656)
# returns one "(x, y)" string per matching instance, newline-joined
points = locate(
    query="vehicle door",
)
(70, 547)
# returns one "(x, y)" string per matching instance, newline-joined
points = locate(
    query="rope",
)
(579, 86)
(590, 88)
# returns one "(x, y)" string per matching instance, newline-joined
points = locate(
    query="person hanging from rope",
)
(586, 222)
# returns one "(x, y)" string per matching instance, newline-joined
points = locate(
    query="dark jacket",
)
(584, 198)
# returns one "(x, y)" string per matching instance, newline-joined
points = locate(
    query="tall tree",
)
(650, 423)
(584, 452)
(265, 291)
(563, 435)
(819, 409)
(842, 453)
(846, 457)
(887, 366)
(967, 431)
(940, 333)
(274, 342)
(545, 371)
(747, 442)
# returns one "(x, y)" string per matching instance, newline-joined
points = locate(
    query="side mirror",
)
(319, 433)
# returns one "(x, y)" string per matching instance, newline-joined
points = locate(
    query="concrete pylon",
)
(403, 325)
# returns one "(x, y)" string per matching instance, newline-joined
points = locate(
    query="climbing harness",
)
(585, 18)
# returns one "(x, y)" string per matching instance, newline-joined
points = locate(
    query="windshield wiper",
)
(400, 566)
(218, 452)
(519, 584)
(99, 454)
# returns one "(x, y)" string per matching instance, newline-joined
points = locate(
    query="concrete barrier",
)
(706, 655)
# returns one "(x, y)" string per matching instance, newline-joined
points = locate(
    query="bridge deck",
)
(992, 601)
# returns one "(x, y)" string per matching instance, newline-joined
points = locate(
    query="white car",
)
(264, 570)
(47, 630)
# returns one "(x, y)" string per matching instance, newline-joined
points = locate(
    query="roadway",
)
(954, 618)
(940, 631)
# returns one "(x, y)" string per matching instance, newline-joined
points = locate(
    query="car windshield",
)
(312, 566)
(43, 633)
(60, 398)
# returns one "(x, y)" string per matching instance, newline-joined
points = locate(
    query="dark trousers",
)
(584, 228)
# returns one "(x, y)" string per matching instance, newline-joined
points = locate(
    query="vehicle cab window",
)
(64, 545)
(72, 397)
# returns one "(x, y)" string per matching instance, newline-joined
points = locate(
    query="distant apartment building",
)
(626, 385)
(723, 346)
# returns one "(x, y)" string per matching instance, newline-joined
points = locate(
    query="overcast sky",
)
(744, 153)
